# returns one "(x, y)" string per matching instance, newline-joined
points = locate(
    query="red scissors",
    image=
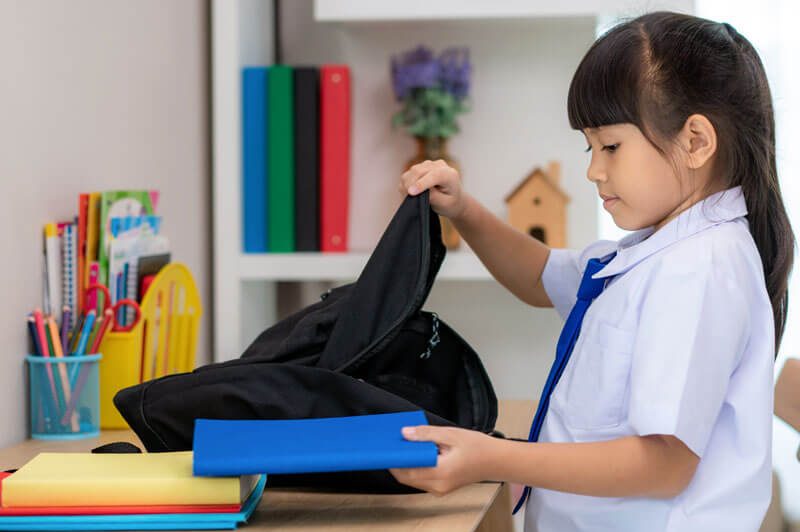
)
(115, 308)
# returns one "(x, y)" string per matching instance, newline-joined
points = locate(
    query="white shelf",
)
(373, 11)
(458, 265)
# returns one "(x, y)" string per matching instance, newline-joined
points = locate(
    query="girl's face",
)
(639, 186)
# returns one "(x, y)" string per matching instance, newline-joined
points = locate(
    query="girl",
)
(662, 416)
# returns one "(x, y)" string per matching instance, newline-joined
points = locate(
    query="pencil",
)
(105, 325)
(38, 319)
(62, 370)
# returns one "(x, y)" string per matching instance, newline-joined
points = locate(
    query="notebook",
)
(106, 510)
(91, 479)
(354, 443)
(209, 521)
(69, 268)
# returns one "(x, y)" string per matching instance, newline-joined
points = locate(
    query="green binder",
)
(280, 140)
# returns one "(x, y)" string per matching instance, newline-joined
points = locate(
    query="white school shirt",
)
(680, 342)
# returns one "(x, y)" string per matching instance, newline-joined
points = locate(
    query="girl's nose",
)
(596, 173)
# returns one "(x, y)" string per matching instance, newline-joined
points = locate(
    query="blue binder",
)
(354, 443)
(211, 521)
(254, 159)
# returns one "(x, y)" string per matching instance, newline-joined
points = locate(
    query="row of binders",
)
(217, 485)
(295, 158)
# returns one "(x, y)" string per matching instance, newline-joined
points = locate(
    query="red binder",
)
(334, 156)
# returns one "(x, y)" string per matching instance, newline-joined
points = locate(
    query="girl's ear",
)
(699, 140)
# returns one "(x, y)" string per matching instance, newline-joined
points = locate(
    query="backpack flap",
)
(393, 285)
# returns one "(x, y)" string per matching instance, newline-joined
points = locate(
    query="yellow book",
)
(86, 479)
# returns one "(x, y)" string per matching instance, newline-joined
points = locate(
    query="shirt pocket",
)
(595, 393)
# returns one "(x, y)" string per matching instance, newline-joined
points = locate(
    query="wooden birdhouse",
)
(538, 206)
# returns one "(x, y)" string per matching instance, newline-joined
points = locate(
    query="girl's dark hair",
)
(657, 70)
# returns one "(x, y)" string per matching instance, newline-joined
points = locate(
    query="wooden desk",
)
(483, 507)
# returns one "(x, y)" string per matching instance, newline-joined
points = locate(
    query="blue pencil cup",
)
(65, 396)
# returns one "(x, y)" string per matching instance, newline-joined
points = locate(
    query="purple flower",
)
(414, 69)
(455, 71)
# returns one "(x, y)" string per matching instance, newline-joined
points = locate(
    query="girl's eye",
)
(588, 149)
(611, 148)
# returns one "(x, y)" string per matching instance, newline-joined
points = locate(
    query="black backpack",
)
(364, 348)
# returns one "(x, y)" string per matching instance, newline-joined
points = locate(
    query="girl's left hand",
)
(463, 459)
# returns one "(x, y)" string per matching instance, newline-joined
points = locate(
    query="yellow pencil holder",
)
(163, 342)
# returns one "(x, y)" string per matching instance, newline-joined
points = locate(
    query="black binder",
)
(306, 158)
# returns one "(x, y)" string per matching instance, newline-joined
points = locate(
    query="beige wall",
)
(95, 95)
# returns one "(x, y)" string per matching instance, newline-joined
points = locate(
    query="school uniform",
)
(680, 342)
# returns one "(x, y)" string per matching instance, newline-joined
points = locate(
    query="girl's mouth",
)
(609, 201)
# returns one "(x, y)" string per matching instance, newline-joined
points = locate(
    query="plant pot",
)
(433, 149)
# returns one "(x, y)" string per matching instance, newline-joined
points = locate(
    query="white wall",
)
(521, 73)
(96, 95)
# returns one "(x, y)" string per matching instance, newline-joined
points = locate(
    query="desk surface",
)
(484, 506)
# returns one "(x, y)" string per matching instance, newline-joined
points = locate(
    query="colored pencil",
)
(87, 327)
(39, 321)
(62, 370)
(66, 314)
(105, 325)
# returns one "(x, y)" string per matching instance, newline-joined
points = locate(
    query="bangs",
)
(606, 86)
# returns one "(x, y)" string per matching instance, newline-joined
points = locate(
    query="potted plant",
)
(433, 91)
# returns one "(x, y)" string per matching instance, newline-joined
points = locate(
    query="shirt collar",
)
(717, 208)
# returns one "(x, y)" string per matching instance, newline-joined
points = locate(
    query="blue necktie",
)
(589, 289)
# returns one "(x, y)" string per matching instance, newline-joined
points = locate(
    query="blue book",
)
(254, 159)
(209, 521)
(355, 443)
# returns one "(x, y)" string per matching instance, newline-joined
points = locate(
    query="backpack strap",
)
(117, 447)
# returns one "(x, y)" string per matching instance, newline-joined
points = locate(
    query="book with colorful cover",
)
(118, 204)
(136, 479)
(112, 510)
(154, 521)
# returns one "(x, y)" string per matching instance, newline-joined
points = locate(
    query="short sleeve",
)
(693, 330)
(563, 271)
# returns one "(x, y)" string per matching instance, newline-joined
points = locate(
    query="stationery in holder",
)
(353, 443)
(147, 265)
(69, 268)
(162, 342)
(118, 204)
(52, 243)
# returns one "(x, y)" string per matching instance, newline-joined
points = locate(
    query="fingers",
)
(438, 435)
(423, 478)
(423, 176)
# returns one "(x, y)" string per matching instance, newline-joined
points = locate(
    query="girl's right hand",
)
(446, 193)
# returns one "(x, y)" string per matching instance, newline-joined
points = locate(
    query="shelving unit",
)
(372, 11)
(458, 266)
(364, 33)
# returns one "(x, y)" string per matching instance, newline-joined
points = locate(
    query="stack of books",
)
(295, 158)
(154, 491)
(216, 486)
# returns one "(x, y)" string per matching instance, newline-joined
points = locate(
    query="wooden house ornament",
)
(538, 206)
